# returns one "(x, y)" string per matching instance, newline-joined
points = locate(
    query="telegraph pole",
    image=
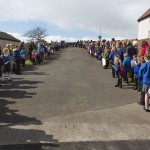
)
(100, 36)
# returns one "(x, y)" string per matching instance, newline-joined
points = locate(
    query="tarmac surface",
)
(70, 102)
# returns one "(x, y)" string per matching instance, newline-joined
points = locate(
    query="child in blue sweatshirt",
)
(136, 68)
(140, 84)
(127, 66)
(112, 55)
(118, 67)
(144, 76)
(6, 59)
(23, 55)
(133, 63)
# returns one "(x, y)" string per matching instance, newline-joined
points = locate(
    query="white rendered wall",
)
(144, 28)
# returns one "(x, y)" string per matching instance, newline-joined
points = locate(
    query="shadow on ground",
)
(15, 138)
(36, 146)
(113, 145)
(12, 138)
(31, 70)
(25, 139)
(9, 117)
(99, 145)
(16, 94)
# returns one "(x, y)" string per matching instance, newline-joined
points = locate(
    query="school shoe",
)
(147, 110)
(117, 85)
(3, 81)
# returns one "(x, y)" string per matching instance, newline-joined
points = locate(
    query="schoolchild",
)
(23, 55)
(112, 55)
(126, 66)
(6, 58)
(33, 57)
(136, 67)
(38, 58)
(140, 84)
(144, 75)
(105, 55)
(134, 61)
(117, 65)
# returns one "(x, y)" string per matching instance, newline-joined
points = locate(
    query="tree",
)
(36, 34)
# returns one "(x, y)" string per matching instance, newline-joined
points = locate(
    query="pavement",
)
(70, 101)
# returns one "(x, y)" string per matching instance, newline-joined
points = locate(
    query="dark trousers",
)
(113, 72)
(33, 61)
(137, 84)
(120, 77)
(17, 67)
(119, 82)
(107, 64)
(23, 61)
(30, 55)
(142, 99)
(125, 77)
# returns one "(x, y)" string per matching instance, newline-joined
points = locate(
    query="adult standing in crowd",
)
(131, 50)
(135, 44)
(17, 58)
(31, 48)
(21, 46)
(124, 47)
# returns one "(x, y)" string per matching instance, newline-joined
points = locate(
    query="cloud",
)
(50, 38)
(118, 18)
(59, 38)
(19, 36)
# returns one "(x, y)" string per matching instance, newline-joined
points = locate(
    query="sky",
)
(72, 20)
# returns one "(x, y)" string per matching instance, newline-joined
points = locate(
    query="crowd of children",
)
(126, 62)
(123, 58)
(42, 50)
(10, 60)
(12, 57)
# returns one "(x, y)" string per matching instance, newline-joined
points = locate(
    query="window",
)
(148, 34)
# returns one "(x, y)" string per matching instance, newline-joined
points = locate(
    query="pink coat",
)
(33, 55)
(143, 50)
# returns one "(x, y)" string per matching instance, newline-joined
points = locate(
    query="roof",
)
(145, 15)
(5, 36)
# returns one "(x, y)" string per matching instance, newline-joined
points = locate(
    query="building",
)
(144, 26)
(7, 39)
